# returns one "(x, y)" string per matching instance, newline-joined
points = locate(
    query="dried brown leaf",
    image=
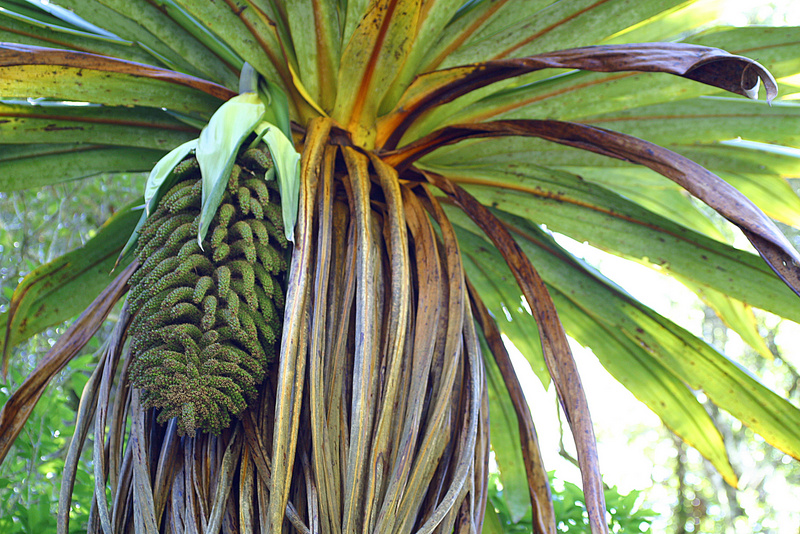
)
(703, 64)
(773, 246)
(557, 352)
(543, 516)
(20, 405)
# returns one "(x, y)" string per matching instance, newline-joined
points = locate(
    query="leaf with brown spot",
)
(37, 72)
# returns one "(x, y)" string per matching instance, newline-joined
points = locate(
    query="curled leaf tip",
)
(752, 77)
(736, 74)
(752, 92)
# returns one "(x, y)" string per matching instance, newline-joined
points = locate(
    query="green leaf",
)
(661, 196)
(642, 374)
(208, 40)
(491, 523)
(43, 14)
(736, 315)
(757, 170)
(657, 194)
(666, 25)
(770, 192)
(31, 29)
(592, 214)
(665, 198)
(467, 20)
(217, 149)
(706, 120)
(245, 29)
(162, 33)
(98, 125)
(62, 288)
(35, 165)
(171, 44)
(354, 11)
(544, 26)
(738, 158)
(287, 163)
(511, 31)
(35, 72)
(686, 357)
(318, 58)
(432, 22)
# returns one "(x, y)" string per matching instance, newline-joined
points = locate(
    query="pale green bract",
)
(153, 189)
(216, 151)
(217, 147)
(287, 163)
(162, 170)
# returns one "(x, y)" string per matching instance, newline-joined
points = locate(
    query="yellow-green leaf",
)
(36, 72)
(370, 62)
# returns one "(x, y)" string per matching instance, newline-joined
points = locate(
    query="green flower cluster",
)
(207, 320)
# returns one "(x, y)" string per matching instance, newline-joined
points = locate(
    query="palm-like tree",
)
(441, 141)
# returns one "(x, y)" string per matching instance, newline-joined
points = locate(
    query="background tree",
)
(423, 127)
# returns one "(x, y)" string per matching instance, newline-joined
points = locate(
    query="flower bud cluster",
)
(207, 320)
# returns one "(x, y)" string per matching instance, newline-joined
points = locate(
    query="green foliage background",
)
(36, 227)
